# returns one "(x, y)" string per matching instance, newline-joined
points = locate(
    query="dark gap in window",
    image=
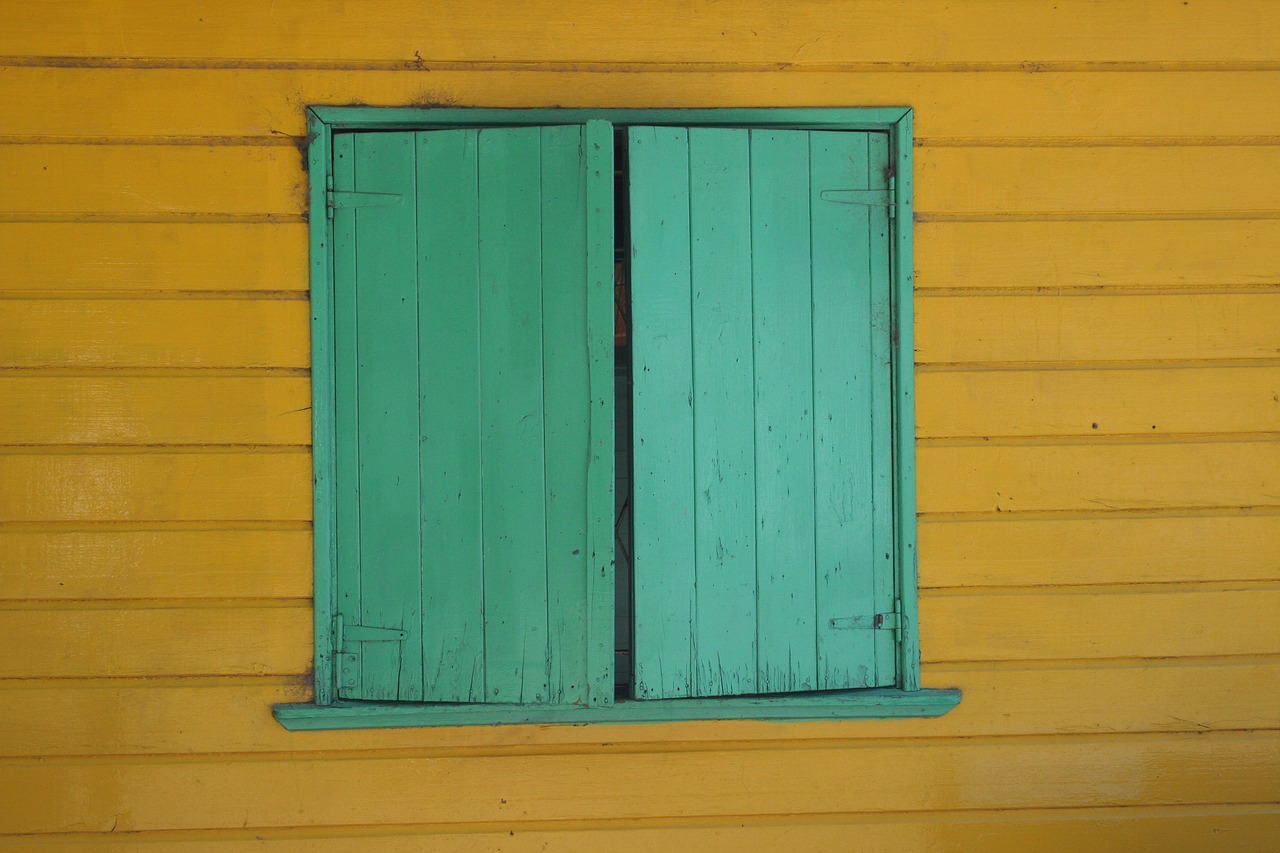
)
(622, 418)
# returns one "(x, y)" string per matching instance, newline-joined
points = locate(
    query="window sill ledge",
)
(844, 705)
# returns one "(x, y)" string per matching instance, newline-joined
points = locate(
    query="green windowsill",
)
(843, 705)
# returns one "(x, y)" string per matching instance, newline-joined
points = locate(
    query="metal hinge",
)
(344, 633)
(344, 199)
(348, 659)
(878, 622)
(866, 198)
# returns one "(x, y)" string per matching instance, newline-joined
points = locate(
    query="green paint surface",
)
(465, 414)
(770, 365)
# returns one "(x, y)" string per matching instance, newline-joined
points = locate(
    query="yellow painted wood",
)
(133, 716)
(1116, 549)
(785, 783)
(1176, 829)
(1049, 327)
(487, 30)
(253, 180)
(1096, 478)
(164, 256)
(1059, 624)
(93, 486)
(150, 179)
(1050, 255)
(107, 409)
(161, 639)
(1102, 180)
(1122, 623)
(157, 562)
(115, 102)
(1097, 402)
(137, 332)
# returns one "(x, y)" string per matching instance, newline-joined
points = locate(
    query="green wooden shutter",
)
(474, 308)
(763, 487)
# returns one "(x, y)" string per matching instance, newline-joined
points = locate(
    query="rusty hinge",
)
(344, 633)
(344, 199)
(878, 622)
(347, 659)
(866, 198)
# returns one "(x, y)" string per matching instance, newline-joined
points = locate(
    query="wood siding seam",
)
(491, 833)
(1146, 439)
(653, 747)
(419, 64)
(931, 217)
(1097, 513)
(156, 372)
(1099, 141)
(936, 291)
(157, 525)
(1087, 365)
(151, 295)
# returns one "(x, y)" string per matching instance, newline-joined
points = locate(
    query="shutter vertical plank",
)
(598, 159)
(387, 335)
(566, 383)
(843, 389)
(449, 327)
(881, 411)
(512, 416)
(723, 365)
(784, 454)
(663, 489)
(347, 423)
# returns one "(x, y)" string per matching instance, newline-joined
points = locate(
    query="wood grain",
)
(1160, 400)
(153, 256)
(1012, 551)
(110, 409)
(1084, 328)
(146, 179)
(1098, 478)
(482, 30)
(1046, 256)
(154, 333)
(1132, 622)
(157, 640)
(1072, 107)
(190, 485)
(1133, 180)
(786, 783)
(158, 562)
(153, 716)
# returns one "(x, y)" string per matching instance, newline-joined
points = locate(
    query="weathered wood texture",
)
(1098, 400)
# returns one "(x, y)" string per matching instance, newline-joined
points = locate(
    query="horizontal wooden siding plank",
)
(177, 486)
(154, 333)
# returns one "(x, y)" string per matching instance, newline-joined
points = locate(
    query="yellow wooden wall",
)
(1098, 326)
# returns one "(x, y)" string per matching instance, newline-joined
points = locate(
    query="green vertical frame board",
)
(496, 231)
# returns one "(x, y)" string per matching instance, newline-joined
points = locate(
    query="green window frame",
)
(464, 507)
